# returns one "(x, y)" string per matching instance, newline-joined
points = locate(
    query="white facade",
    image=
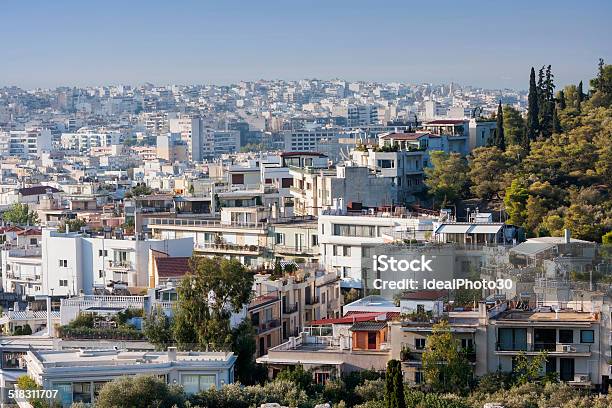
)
(77, 374)
(74, 263)
(344, 240)
(25, 143)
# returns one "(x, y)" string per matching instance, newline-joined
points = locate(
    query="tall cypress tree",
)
(579, 97)
(555, 122)
(533, 123)
(546, 93)
(561, 99)
(500, 139)
(394, 385)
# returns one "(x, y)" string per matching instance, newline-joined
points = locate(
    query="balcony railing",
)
(269, 325)
(312, 300)
(120, 264)
(288, 309)
(548, 347)
(187, 222)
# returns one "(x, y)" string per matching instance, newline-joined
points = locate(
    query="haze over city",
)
(76, 43)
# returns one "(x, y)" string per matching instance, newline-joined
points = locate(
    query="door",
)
(566, 369)
(262, 346)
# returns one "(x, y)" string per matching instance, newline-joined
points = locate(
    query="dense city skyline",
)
(87, 44)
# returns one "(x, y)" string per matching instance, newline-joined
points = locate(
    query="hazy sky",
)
(484, 43)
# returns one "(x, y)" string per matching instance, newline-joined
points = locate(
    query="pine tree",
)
(533, 123)
(500, 140)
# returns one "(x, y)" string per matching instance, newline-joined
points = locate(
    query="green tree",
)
(244, 347)
(394, 385)
(446, 367)
(514, 126)
(533, 122)
(20, 214)
(207, 296)
(515, 202)
(140, 190)
(157, 329)
(500, 139)
(447, 179)
(489, 169)
(139, 391)
(528, 369)
(74, 225)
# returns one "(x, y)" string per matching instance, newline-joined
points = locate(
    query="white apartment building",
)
(310, 140)
(218, 142)
(345, 240)
(191, 132)
(78, 375)
(75, 263)
(22, 270)
(25, 143)
(84, 139)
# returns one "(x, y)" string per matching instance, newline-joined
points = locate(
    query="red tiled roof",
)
(30, 232)
(172, 266)
(354, 317)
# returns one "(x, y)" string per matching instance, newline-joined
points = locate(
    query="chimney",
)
(171, 353)
(567, 235)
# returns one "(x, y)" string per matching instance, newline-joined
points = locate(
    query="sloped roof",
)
(368, 326)
(172, 266)
(37, 190)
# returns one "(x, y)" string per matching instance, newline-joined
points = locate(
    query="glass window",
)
(419, 344)
(81, 391)
(566, 336)
(194, 383)
(587, 336)
(64, 392)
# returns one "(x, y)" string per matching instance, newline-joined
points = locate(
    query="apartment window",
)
(467, 344)
(237, 178)
(33, 241)
(419, 343)
(346, 251)
(512, 339)
(287, 182)
(280, 238)
(102, 252)
(314, 240)
(346, 230)
(418, 377)
(194, 383)
(566, 336)
(63, 282)
(334, 250)
(63, 263)
(587, 336)
(100, 273)
(81, 392)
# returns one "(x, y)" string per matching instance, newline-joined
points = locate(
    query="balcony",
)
(313, 300)
(267, 326)
(550, 348)
(290, 309)
(121, 265)
(292, 250)
(222, 249)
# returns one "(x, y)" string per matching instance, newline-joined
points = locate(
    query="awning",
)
(485, 229)
(453, 228)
